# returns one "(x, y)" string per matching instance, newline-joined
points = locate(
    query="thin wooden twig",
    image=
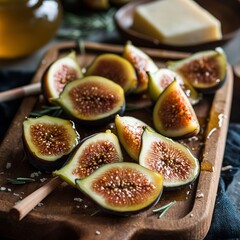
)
(22, 208)
(152, 52)
(15, 93)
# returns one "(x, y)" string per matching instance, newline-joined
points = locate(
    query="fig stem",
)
(22, 208)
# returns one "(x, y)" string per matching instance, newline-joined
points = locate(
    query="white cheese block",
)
(176, 22)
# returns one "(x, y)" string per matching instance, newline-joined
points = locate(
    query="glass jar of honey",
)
(27, 25)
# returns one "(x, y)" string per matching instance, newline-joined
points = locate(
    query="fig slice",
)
(92, 99)
(205, 70)
(173, 160)
(123, 188)
(58, 74)
(160, 79)
(92, 153)
(173, 114)
(142, 64)
(48, 141)
(129, 131)
(115, 68)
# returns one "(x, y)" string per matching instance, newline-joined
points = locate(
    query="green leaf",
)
(20, 180)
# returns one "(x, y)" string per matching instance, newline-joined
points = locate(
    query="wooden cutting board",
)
(67, 214)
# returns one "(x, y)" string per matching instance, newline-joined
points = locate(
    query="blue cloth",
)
(10, 80)
(226, 218)
(226, 221)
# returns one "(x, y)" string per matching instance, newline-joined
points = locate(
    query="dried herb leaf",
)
(164, 209)
(20, 180)
(47, 110)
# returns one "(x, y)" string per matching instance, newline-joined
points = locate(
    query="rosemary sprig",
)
(76, 26)
(50, 110)
(164, 209)
(20, 180)
(96, 212)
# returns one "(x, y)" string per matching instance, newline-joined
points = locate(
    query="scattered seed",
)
(35, 174)
(3, 188)
(199, 194)
(78, 199)
(43, 180)
(98, 232)
(40, 204)
(8, 165)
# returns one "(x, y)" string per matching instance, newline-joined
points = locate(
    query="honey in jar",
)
(27, 25)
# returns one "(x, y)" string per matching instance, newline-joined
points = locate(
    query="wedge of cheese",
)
(176, 22)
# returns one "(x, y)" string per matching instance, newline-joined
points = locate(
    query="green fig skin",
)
(173, 114)
(173, 160)
(205, 70)
(48, 141)
(123, 188)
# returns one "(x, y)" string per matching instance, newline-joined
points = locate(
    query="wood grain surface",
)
(68, 214)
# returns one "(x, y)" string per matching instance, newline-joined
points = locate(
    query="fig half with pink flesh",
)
(173, 114)
(160, 79)
(129, 131)
(123, 188)
(92, 100)
(205, 70)
(173, 160)
(92, 153)
(142, 64)
(58, 74)
(48, 141)
(115, 68)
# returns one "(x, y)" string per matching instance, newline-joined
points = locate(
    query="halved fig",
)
(160, 79)
(173, 114)
(115, 68)
(48, 141)
(92, 153)
(58, 74)
(129, 131)
(92, 99)
(173, 160)
(205, 70)
(142, 63)
(123, 188)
